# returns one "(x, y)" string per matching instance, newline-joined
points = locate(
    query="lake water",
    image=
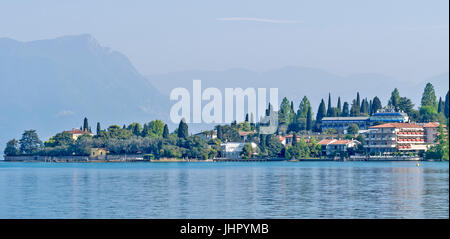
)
(225, 190)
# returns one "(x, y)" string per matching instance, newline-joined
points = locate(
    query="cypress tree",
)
(98, 128)
(262, 142)
(166, 131)
(440, 105)
(345, 110)
(183, 130)
(329, 113)
(355, 109)
(321, 112)
(294, 139)
(85, 124)
(309, 119)
(446, 104)
(339, 104)
(376, 105)
(358, 102)
(219, 132)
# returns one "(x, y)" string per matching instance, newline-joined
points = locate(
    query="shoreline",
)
(127, 159)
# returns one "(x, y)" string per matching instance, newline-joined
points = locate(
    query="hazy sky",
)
(407, 40)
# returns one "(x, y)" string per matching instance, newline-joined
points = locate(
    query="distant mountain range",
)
(51, 85)
(295, 82)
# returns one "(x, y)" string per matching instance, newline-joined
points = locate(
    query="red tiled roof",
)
(341, 142)
(431, 125)
(396, 125)
(78, 131)
(245, 133)
(325, 141)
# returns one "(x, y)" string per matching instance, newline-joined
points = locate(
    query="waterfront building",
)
(334, 146)
(207, 135)
(431, 131)
(389, 115)
(341, 123)
(288, 139)
(396, 137)
(386, 115)
(244, 135)
(78, 132)
(98, 153)
(232, 150)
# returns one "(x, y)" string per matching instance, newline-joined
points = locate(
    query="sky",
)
(406, 40)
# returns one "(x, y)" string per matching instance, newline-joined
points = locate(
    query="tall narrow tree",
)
(358, 101)
(85, 124)
(440, 105)
(166, 131)
(309, 119)
(446, 105)
(329, 110)
(345, 110)
(321, 112)
(339, 104)
(98, 128)
(183, 130)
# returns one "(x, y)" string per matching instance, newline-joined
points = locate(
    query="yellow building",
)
(77, 133)
(98, 152)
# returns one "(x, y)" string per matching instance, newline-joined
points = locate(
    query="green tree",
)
(135, 128)
(429, 97)
(353, 129)
(145, 131)
(345, 110)
(355, 109)
(303, 108)
(339, 105)
(321, 112)
(406, 105)
(446, 106)
(428, 113)
(395, 98)
(285, 115)
(358, 102)
(30, 142)
(440, 105)
(329, 113)
(376, 105)
(309, 119)
(60, 139)
(12, 148)
(364, 107)
(247, 151)
(183, 130)
(166, 132)
(99, 129)
(85, 124)
(440, 150)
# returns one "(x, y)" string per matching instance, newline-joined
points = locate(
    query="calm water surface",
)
(225, 190)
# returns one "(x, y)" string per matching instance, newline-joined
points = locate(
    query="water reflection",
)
(225, 190)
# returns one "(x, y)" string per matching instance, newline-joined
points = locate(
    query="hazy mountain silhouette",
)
(295, 82)
(51, 85)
